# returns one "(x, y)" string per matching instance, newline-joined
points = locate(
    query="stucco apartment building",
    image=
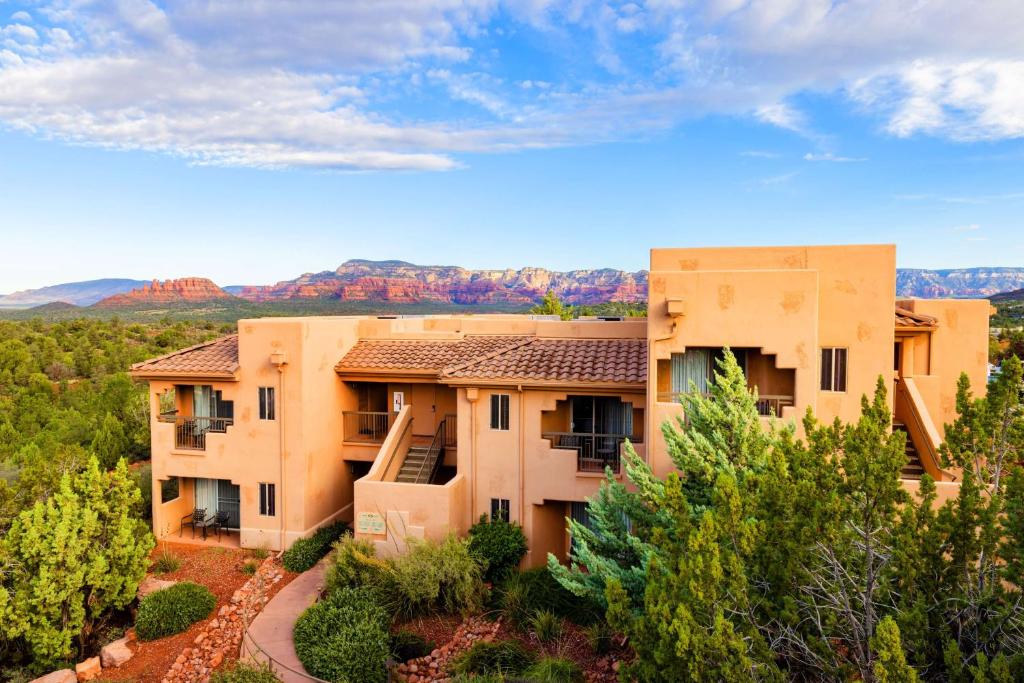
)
(417, 426)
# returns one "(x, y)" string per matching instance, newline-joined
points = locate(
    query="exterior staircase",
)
(414, 464)
(913, 469)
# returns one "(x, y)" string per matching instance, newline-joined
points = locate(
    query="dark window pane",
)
(826, 369)
(169, 490)
(840, 362)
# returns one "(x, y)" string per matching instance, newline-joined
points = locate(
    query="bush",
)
(506, 657)
(245, 673)
(522, 594)
(498, 545)
(546, 625)
(306, 552)
(353, 564)
(344, 637)
(172, 610)
(554, 670)
(259, 553)
(599, 636)
(430, 578)
(250, 568)
(166, 563)
(406, 645)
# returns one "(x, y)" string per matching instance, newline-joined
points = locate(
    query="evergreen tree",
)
(110, 444)
(70, 560)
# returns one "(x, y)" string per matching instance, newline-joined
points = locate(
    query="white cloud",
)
(829, 156)
(973, 227)
(414, 83)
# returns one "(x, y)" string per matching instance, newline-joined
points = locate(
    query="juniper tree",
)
(71, 559)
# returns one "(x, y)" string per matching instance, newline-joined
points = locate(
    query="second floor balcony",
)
(190, 431)
(595, 427)
(195, 411)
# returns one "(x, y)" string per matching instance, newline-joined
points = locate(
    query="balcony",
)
(190, 432)
(367, 426)
(594, 452)
(767, 405)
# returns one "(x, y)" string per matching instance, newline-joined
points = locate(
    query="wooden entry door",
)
(424, 409)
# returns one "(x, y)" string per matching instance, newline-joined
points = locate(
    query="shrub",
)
(406, 645)
(353, 564)
(260, 553)
(430, 578)
(498, 545)
(344, 637)
(250, 568)
(599, 636)
(172, 610)
(521, 594)
(306, 552)
(546, 625)
(505, 657)
(245, 673)
(166, 563)
(554, 670)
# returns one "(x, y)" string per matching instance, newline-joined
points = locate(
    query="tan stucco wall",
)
(788, 302)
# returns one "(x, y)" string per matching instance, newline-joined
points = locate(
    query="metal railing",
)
(432, 459)
(451, 430)
(367, 426)
(768, 405)
(594, 452)
(190, 432)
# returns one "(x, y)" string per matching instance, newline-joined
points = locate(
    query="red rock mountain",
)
(401, 282)
(183, 290)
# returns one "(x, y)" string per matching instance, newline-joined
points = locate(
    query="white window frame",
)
(267, 404)
(833, 377)
(267, 499)
(504, 416)
(501, 505)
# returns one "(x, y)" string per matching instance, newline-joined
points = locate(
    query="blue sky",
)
(251, 142)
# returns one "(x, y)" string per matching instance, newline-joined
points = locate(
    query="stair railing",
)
(432, 456)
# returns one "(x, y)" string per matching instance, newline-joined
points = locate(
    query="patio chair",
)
(196, 518)
(220, 521)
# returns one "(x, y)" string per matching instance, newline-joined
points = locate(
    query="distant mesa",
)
(182, 290)
(401, 282)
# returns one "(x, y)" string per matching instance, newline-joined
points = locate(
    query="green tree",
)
(110, 444)
(891, 665)
(552, 305)
(72, 559)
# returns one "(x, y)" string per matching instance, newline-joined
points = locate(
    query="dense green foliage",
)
(344, 638)
(506, 657)
(431, 578)
(554, 670)
(352, 564)
(173, 609)
(69, 560)
(768, 558)
(522, 594)
(1007, 344)
(306, 552)
(498, 545)
(240, 672)
(552, 305)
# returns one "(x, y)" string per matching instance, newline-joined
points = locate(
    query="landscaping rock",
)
(88, 670)
(434, 667)
(152, 585)
(62, 676)
(115, 653)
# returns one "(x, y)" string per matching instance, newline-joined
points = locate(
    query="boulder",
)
(115, 653)
(88, 670)
(62, 676)
(152, 585)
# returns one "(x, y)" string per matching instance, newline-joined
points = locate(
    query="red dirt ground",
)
(217, 568)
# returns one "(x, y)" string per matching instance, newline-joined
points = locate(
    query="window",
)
(499, 411)
(268, 499)
(833, 369)
(169, 490)
(500, 508)
(266, 403)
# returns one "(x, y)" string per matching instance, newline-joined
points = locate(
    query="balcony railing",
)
(366, 426)
(594, 452)
(767, 404)
(451, 430)
(190, 432)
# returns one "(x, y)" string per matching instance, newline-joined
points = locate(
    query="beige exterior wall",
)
(786, 302)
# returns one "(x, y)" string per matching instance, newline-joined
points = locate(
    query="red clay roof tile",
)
(217, 358)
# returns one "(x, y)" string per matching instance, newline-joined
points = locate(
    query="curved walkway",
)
(269, 638)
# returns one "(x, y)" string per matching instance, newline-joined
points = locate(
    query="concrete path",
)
(270, 634)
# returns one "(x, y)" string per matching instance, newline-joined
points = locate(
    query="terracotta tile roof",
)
(616, 361)
(217, 358)
(907, 318)
(511, 359)
(423, 355)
